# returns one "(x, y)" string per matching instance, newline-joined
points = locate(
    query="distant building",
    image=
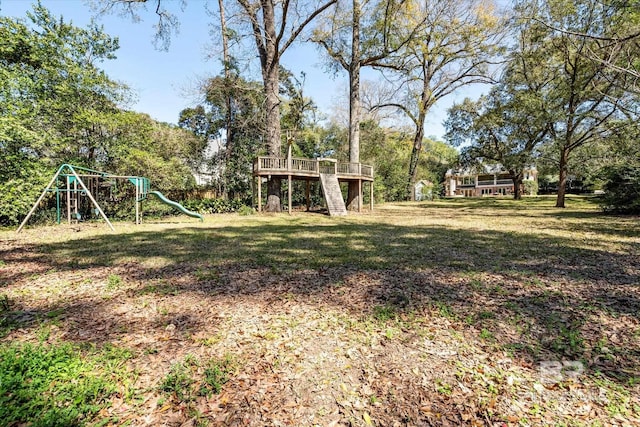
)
(485, 180)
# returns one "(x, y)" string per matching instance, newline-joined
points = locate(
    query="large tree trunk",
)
(562, 182)
(269, 62)
(425, 104)
(227, 76)
(272, 105)
(415, 157)
(517, 187)
(353, 194)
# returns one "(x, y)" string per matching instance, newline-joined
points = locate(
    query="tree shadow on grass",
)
(541, 297)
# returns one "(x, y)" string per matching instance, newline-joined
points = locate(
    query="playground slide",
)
(176, 205)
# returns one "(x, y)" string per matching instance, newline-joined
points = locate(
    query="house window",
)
(468, 180)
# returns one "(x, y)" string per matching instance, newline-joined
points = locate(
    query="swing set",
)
(71, 183)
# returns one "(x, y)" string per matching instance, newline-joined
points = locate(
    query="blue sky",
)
(164, 81)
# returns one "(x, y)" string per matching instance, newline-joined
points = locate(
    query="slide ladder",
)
(333, 194)
(176, 205)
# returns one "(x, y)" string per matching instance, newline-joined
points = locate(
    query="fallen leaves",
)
(429, 324)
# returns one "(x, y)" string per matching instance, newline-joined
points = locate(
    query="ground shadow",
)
(552, 293)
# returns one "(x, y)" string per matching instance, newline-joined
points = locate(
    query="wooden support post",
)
(371, 196)
(35, 206)
(308, 195)
(359, 194)
(290, 191)
(259, 193)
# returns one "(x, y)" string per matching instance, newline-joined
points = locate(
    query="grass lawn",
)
(455, 312)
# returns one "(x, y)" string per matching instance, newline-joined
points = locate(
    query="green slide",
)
(176, 205)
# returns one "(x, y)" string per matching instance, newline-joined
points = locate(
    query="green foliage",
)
(437, 158)
(178, 382)
(233, 108)
(22, 180)
(215, 206)
(55, 385)
(585, 88)
(52, 86)
(530, 187)
(389, 152)
(57, 106)
(622, 189)
(114, 282)
(246, 210)
(216, 374)
(384, 313)
(184, 383)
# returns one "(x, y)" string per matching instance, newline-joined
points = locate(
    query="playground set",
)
(71, 184)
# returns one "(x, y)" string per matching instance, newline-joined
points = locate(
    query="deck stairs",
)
(333, 194)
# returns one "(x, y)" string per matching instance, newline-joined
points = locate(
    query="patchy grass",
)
(458, 311)
(57, 384)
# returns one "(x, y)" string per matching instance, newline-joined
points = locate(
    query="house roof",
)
(423, 183)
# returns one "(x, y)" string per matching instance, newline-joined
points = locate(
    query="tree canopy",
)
(57, 106)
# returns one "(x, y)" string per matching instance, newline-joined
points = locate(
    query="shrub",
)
(214, 206)
(621, 189)
(530, 187)
(246, 210)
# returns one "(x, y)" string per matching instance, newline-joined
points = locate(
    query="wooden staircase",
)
(333, 194)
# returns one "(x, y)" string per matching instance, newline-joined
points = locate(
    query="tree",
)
(588, 99)
(511, 123)
(457, 46)
(243, 126)
(618, 48)
(53, 65)
(622, 189)
(53, 98)
(274, 27)
(358, 36)
(57, 106)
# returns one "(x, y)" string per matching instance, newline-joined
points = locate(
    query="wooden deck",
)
(311, 168)
(293, 168)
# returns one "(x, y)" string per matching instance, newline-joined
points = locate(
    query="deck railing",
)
(308, 165)
(496, 182)
(311, 166)
(272, 163)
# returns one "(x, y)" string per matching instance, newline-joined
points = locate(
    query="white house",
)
(485, 180)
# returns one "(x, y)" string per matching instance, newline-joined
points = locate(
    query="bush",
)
(622, 189)
(214, 206)
(530, 188)
(20, 189)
